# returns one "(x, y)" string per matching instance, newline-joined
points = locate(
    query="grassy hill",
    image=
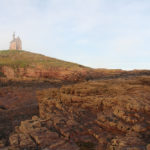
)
(15, 64)
(15, 58)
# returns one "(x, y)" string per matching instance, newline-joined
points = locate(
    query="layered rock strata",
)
(100, 115)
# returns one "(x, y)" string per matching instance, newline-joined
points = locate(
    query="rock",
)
(64, 146)
(29, 126)
(148, 147)
(26, 142)
(90, 115)
(14, 140)
(8, 72)
(44, 139)
(35, 118)
(2, 143)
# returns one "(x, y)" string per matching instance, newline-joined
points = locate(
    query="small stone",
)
(14, 140)
(35, 118)
(2, 143)
(148, 147)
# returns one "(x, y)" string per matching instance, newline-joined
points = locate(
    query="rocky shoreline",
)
(101, 115)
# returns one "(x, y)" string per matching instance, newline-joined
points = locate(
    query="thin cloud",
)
(103, 31)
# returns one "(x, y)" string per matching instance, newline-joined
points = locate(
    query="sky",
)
(113, 34)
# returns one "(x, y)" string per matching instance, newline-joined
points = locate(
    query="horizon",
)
(97, 34)
(76, 62)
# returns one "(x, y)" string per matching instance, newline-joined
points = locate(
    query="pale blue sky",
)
(95, 33)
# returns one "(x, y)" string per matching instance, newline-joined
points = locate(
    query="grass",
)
(23, 59)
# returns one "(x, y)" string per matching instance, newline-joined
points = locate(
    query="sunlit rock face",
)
(101, 115)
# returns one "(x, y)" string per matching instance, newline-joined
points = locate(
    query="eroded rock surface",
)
(100, 115)
(36, 134)
(18, 102)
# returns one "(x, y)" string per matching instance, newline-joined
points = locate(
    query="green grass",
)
(15, 58)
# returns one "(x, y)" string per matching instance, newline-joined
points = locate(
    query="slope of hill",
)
(15, 64)
(26, 65)
(15, 58)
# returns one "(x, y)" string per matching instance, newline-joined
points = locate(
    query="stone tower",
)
(16, 43)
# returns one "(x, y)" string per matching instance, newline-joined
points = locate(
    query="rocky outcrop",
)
(8, 72)
(18, 102)
(15, 107)
(36, 134)
(100, 115)
(65, 74)
(51, 73)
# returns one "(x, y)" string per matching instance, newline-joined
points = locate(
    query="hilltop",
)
(16, 58)
(16, 64)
